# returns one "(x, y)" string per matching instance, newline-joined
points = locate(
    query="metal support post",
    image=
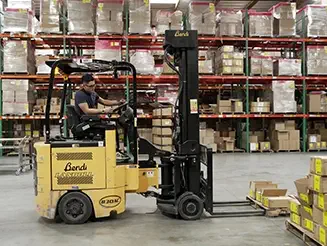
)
(247, 81)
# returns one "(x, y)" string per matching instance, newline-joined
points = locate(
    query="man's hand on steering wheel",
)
(107, 110)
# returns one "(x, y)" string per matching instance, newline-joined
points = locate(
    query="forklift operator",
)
(86, 99)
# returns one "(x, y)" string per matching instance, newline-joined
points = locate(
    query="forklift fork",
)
(206, 160)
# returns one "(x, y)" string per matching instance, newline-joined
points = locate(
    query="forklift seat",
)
(88, 126)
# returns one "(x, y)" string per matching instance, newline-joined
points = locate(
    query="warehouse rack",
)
(207, 82)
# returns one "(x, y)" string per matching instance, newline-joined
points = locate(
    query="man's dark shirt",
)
(82, 96)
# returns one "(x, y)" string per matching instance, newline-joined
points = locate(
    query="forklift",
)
(80, 177)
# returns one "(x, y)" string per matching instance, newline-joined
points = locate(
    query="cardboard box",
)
(306, 212)
(207, 140)
(254, 185)
(318, 183)
(281, 135)
(314, 138)
(294, 206)
(321, 234)
(163, 112)
(280, 145)
(319, 217)
(162, 131)
(41, 102)
(268, 193)
(305, 195)
(294, 144)
(237, 106)
(318, 165)
(254, 146)
(320, 201)
(162, 122)
(265, 146)
(315, 100)
(323, 145)
(278, 126)
(294, 135)
(277, 202)
(308, 224)
(290, 124)
(213, 146)
(260, 188)
(260, 107)
(295, 218)
(203, 133)
(162, 140)
(312, 145)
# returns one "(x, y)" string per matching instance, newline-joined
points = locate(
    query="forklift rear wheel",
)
(190, 206)
(75, 208)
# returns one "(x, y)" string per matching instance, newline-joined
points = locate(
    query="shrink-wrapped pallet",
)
(260, 24)
(108, 50)
(260, 65)
(50, 16)
(167, 20)
(311, 21)
(316, 60)
(18, 57)
(110, 17)
(81, 16)
(202, 17)
(18, 20)
(284, 96)
(287, 67)
(229, 22)
(139, 17)
(284, 22)
(143, 61)
(21, 4)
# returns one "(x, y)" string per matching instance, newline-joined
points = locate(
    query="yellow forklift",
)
(80, 177)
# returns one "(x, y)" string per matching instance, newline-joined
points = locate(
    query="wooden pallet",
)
(230, 151)
(262, 151)
(297, 150)
(306, 236)
(270, 212)
(317, 150)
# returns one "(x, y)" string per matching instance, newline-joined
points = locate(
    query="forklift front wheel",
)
(75, 208)
(190, 206)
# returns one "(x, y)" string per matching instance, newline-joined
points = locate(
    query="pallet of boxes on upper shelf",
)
(267, 196)
(309, 210)
(162, 128)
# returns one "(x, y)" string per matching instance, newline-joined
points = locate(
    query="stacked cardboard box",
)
(229, 23)
(317, 102)
(229, 61)
(284, 22)
(41, 56)
(316, 60)
(207, 138)
(228, 106)
(18, 20)
(162, 133)
(139, 17)
(256, 141)
(260, 24)
(284, 96)
(49, 16)
(202, 17)
(260, 107)
(311, 21)
(18, 97)
(81, 16)
(41, 104)
(260, 65)
(268, 193)
(108, 50)
(284, 136)
(225, 140)
(18, 57)
(145, 133)
(301, 3)
(312, 196)
(315, 141)
(109, 17)
(287, 67)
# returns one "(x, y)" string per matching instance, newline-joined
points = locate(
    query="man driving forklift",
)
(86, 99)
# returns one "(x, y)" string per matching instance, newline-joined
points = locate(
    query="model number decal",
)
(110, 201)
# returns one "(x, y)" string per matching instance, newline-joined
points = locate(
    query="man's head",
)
(88, 82)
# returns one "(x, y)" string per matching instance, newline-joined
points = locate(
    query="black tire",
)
(190, 206)
(75, 208)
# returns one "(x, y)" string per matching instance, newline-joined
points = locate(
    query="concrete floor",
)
(20, 225)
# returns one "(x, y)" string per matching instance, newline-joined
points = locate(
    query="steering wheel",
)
(119, 108)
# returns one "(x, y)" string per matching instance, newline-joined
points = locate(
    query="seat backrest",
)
(73, 118)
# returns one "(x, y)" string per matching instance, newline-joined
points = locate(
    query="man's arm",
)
(91, 111)
(108, 102)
